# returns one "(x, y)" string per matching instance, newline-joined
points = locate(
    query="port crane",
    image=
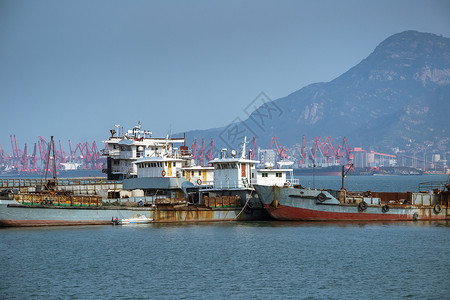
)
(194, 149)
(23, 161)
(282, 151)
(210, 155)
(253, 149)
(201, 154)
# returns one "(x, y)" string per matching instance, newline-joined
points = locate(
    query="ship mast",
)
(243, 147)
(51, 148)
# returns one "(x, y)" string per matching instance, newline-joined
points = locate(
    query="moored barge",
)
(304, 204)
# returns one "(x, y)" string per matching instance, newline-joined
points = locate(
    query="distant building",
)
(266, 156)
(365, 158)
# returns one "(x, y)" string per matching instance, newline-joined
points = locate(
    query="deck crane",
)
(51, 146)
(282, 152)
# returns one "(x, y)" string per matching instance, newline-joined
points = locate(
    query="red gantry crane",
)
(282, 152)
(210, 151)
(194, 149)
(201, 154)
(253, 149)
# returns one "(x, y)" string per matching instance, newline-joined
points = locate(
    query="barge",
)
(304, 204)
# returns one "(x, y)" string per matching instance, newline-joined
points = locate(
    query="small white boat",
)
(139, 219)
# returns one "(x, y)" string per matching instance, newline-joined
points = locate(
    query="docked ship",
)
(295, 203)
(123, 149)
(161, 183)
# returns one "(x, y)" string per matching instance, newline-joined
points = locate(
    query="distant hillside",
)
(397, 97)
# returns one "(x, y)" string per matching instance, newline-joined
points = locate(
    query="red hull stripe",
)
(300, 214)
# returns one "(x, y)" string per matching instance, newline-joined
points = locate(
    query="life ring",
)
(437, 208)
(415, 216)
(199, 181)
(362, 205)
(163, 173)
(321, 197)
(288, 183)
(385, 208)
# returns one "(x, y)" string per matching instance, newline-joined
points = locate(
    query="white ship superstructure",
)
(124, 149)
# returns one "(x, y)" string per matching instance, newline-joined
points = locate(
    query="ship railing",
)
(59, 200)
(203, 183)
(123, 170)
(432, 185)
(108, 152)
(77, 186)
(293, 181)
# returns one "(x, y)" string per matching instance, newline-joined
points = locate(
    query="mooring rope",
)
(246, 203)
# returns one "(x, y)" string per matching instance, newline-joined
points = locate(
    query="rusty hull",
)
(13, 213)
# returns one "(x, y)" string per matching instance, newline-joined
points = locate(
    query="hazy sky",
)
(73, 69)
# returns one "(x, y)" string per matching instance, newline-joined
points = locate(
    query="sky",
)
(74, 69)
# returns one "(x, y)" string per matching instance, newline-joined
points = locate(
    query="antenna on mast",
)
(243, 147)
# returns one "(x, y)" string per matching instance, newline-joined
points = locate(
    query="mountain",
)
(397, 97)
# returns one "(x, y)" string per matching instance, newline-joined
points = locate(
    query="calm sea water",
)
(230, 260)
(372, 183)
